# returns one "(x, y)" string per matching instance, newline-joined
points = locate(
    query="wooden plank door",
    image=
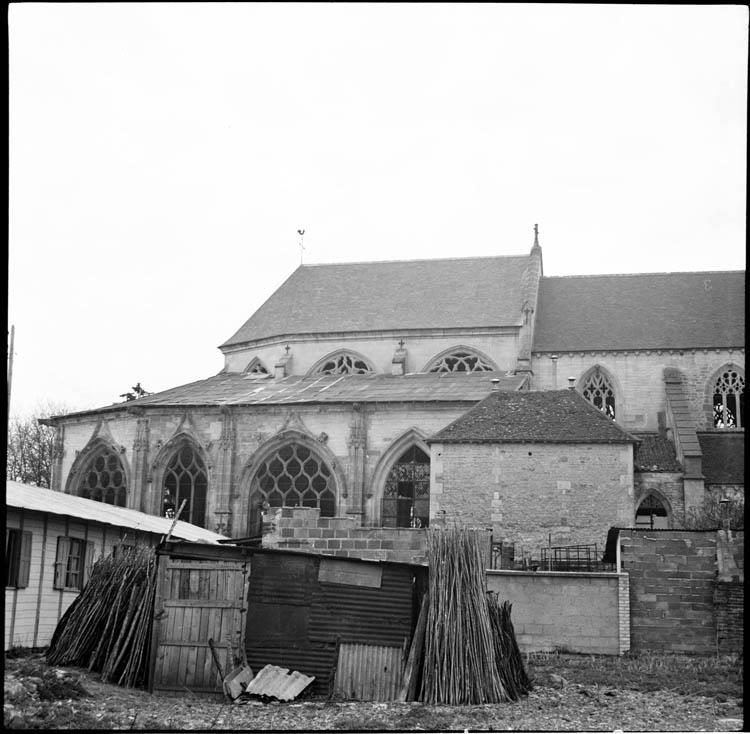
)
(197, 600)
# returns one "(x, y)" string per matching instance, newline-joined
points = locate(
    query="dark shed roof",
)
(647, 311)
(375, 296)
(553, 416)
(723, 457)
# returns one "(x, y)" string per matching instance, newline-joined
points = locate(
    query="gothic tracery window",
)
(598, 391)
(185, 478)
(256, 367)
(729, 400)
(295, 477)
(105, 480)
(461, 361)
(344, 363)
(406, 498)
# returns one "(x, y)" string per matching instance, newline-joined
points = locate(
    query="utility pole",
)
(10, 364)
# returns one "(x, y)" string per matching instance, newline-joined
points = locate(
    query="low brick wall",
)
(686, 590)
(302, 528)
(577, 612)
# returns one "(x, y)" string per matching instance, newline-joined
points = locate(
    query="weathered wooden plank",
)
(198, 603)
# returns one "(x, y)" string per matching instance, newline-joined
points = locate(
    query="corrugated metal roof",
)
(399, 294)
(240, 389)
(45, 500)
(279, 683)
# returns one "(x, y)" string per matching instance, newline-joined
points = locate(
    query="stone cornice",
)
(639, 352)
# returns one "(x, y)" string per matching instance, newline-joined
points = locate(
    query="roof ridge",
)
(635, 275)
(415, 260)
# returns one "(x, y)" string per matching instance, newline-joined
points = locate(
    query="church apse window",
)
(104, 481)
(597, 389)
(729, 400)
(461, 361)
(186, 478)
(295, 477)
(406, 498)
(344, 363)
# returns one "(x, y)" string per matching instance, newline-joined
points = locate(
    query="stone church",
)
(391, 396)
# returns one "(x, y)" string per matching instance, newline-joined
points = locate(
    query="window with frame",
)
(17, 558)
(185, 478)
(597, 389)
(729, 400)
(461, 361)
(104, 480)
(345, 363)
(72, 563)
(295, 477)
(406, 497)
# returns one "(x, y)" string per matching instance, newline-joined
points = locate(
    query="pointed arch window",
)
(294, 476)
(406, 498)
(461, 360)
(729, 400)
(185, 478)
(344, 363)
(598, 390)
(652, 514)
(256, 367)
(104, 480)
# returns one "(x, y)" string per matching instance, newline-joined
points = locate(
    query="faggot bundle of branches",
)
(107, 627)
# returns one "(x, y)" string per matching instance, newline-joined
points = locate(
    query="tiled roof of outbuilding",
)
(655, 453)
(646, 311)
(723, 457)
(552, 416)
(241, 389)
(394, 295)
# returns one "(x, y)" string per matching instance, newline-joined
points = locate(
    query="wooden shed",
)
(52, 540)
(347, 622)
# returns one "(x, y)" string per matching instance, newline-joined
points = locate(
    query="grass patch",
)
(685, 674)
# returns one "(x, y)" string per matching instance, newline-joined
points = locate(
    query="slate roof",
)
(552, 416)
(723, 457)
(40, 499)
(655, 453)
(646, 311)
(393, 295)
(242, 389)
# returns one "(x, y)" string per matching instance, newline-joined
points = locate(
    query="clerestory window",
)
(597, 389)
(344, 363)
(105, 480)
(461, 361)
(729, 400)
(406, 498)
(295, 477)
(186, 478)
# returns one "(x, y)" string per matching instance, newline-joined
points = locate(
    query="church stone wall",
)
(529, 492)
(639, 379)
(378, 351)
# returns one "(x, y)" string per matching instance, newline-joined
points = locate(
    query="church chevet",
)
(364, 403)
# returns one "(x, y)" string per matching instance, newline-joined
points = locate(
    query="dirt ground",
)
(574, 693)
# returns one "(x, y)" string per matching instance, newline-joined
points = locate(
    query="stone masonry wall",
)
(639, 379)
(678, 601)
(529, 493)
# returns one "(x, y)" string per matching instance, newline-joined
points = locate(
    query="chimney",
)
(495, 384)
(571, 383)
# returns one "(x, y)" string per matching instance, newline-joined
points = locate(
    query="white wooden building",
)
(51, 542)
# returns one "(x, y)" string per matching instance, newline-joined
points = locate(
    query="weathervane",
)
(301, 233)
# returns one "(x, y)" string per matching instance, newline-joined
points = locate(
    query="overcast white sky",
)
(163, 157)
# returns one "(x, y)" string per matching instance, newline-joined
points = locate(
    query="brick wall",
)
(529, 492)
(302, 528)
(678, 602)
(578, 612)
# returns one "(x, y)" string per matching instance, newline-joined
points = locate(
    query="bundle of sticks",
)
(470, 652)
(107, 627)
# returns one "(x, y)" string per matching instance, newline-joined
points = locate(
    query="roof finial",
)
(301, 233)
(536, 235)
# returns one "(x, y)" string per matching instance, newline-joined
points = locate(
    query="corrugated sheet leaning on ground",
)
(279, 683)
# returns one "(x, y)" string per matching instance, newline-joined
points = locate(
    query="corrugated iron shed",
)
(38, 499)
